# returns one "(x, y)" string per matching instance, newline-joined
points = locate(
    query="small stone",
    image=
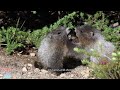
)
(36, 70)
(86, 75)
(71, 75)
(83, 72)
(32, 54)
(24, 69)
(115, 24)
(29, 73)
(25, 55)
(1, 75)
(85, 23)
(44, 71)
(62, 75)
(30, 65)
(28, 59)
(17, 75)
(19, 54)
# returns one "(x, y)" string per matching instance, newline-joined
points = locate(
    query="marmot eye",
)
(59, 32)
(81, 31)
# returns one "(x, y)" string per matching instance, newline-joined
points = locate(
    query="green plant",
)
(98, 20)
(112, 35)
(110, 70)
(83, 51)
(12, 38)
(104, 69)
(37, 35)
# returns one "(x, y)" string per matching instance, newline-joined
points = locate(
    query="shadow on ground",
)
(71, 63)
(68, 64)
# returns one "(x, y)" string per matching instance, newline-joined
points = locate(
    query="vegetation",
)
(103, 70)
(110, 70)
(14, 38)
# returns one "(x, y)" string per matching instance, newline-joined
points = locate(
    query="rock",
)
(62, 75)
(44, 71)
(115, 24)
(30, 65)
(29, 73)
(17, 75)
(83, 72)
(36, 70)
(1, 76)
(71, 75)
(32, 54)
(86, 75)
(25, 55)
(19, 54)
(24, 69)
(85, 23)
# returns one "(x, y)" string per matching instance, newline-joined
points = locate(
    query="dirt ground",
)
(18, 66)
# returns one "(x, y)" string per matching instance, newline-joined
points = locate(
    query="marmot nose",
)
(70, 39)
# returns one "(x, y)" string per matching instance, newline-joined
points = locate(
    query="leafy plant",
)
(113, 35)
(110, 70)
(104, 69)
(98, 20)
(12, 38)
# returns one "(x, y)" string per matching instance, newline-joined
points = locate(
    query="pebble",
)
(62, 75)
(19, 54)
(30, 65)
(44, 71)
(71, 75)
(25, 55)
(85, 73)
(36, 70)
(29, 73)
(115, 24)
(32, 54)
(24, 69)
(1, 76)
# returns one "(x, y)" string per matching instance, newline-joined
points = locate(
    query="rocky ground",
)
(20, 66)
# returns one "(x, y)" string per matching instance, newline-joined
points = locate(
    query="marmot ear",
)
(61, 28)
(67, 30)
(91, 34)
